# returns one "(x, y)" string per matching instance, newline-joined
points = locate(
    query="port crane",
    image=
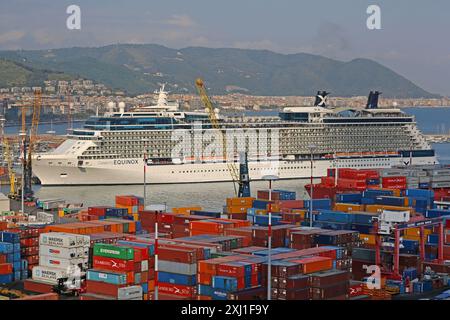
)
(240, 177)
(11, 173)
(393, 223)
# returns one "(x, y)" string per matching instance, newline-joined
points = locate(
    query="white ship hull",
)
(131, 171)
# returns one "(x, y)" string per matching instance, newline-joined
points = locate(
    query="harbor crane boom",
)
(232, 168)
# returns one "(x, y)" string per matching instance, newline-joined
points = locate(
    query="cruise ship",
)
(119, 146)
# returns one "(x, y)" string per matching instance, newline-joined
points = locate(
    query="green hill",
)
(140, 68)
(16, 74)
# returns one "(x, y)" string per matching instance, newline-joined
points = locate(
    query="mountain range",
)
(140, 68)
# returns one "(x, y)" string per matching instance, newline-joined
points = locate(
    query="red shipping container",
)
(98, 210)
(177, 290)
(228, 270)
(6, 268)
(29, 242)
(2, 258)
(113, 264)
(103, 288)
(291, 204)
(177, 255)
(37, 286)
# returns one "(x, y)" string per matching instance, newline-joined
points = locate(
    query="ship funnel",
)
(372, 101)
(321, 99)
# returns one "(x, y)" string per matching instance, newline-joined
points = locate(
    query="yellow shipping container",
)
(411, 237)
(185, 210)
(367, 238)
(375, 208)
(236, 209)
(242, 202)
(347, 207)
(415, 232)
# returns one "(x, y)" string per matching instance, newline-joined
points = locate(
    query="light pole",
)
(311, 148)
(270, 178)
(145, 170)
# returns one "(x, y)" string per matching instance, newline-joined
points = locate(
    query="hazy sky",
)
(414, 39)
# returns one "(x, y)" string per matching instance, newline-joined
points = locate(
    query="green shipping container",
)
(112, 251)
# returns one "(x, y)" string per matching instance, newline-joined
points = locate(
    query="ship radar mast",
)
(162, 96)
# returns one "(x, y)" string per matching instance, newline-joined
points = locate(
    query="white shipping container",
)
(83, 251)
(58, 252)
(130, 293)
(62, 263)
(144, 265)
(443, 178)
(48, 274)
(59, 239)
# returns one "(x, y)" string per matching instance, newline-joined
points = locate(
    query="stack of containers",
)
(330, 284)
(177, 264)
(221, 277)
(236, 208)
(133, 204)
(59, 255)
(215, 226)
(439, 178)
(19, 266)
(116, 268)
(181, 225)
(29, 243)
(185, 210)
(287, 281)
(103, 212)
(276, 195)
(393, 179)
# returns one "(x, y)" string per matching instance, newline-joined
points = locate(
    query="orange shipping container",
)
(367, 238)
(244, 202)
(315, 264)
(237, 209)
(348, 207)
(185, 210)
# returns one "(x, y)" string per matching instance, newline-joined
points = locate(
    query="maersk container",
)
(112, 251)
(106, 276)
(62, 263)
(59, 252)
(334, 216)
(61, 239)
(177, 267)
(174, 278)
(48, 274)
